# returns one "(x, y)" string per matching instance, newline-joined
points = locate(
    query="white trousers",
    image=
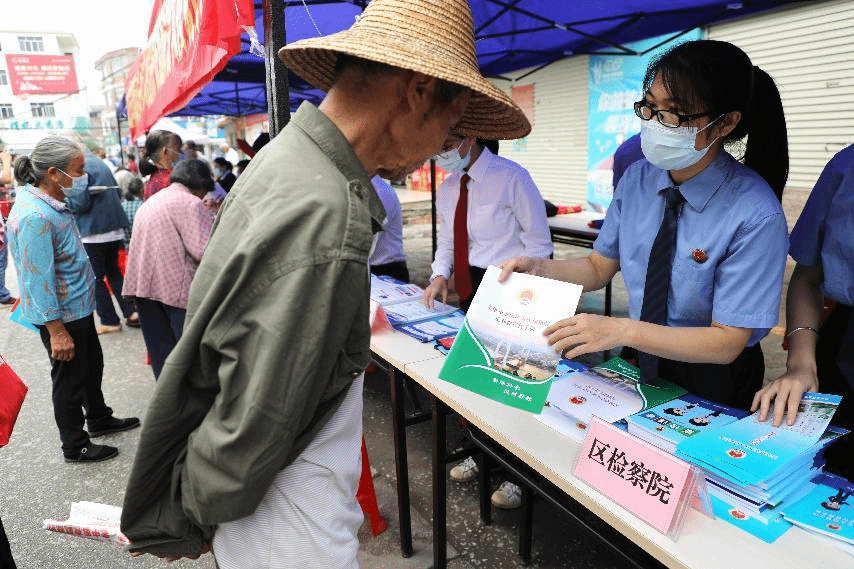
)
(309, 517)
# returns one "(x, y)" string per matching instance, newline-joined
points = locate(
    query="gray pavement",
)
(35, 482)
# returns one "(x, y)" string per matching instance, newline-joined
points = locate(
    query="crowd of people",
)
(259, 345)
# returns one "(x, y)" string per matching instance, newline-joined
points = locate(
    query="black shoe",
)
(112, 425)
(93, 453)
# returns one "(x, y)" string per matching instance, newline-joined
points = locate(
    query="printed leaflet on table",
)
(672, 422)
(501, 352)
(611, 391)
(404, 307)
(828, 509)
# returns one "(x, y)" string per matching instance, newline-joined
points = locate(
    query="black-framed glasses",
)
(670, 119)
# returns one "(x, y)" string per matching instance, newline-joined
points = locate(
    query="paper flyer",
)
(93, 521)
(687, 416)
(828, 509)
(501, 352)
(611, 391)
(386, 290)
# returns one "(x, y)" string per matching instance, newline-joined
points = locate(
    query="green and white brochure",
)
(501, 352)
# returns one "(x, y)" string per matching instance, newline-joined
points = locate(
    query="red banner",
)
(189, 42)
(42, 74)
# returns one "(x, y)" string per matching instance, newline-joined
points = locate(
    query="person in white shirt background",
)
(388, 257)
(505, 214)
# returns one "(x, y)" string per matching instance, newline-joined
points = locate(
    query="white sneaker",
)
(507, 497)
(464, 471)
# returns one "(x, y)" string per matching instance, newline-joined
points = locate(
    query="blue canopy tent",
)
(510, 35)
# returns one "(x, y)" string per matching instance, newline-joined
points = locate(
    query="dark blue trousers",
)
(104, 258)
(161, 328)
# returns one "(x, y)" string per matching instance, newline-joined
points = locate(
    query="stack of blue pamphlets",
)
(749, 452)
(756, 468)
(827, 510)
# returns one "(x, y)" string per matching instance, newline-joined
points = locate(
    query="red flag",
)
(189, 42)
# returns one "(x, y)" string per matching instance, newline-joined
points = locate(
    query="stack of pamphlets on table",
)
(827, 510)
(611, 391)
(752, 467)
(403, 305)
(687, 416)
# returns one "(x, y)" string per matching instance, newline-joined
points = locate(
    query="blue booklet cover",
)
(766, 530)
(748, 451)
(828, 509)
(670, 423)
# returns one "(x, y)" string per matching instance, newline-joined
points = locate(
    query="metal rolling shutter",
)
(808, 48)
(555, 153)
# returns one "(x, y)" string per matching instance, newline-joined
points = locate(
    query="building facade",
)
(39, 87)
(114, 67)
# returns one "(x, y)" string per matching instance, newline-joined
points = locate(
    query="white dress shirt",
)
(389, 245)
(310, 515)
(506, 215)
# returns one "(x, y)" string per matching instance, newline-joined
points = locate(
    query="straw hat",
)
(434, 37)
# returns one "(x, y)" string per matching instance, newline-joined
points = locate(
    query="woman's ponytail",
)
(767, 149)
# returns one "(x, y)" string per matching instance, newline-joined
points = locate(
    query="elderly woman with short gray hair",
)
(57, 288)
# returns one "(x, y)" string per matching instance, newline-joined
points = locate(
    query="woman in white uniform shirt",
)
(506, 213)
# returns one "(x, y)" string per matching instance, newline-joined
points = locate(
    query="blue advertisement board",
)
(615, 83)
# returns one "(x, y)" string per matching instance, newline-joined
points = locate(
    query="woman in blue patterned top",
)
(57, 288)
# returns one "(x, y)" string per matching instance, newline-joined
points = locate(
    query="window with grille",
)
(6, 111)
(4, 79)
(30, 43)
(42, 110)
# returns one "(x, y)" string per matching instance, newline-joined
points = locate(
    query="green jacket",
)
(276, 330)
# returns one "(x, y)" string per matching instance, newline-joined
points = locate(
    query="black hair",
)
(134, 188)
(718, 77)
(443, 96)
(261, 141)
(223, 163)
(191, 145)
(488, 143)
(194, 174)
(242, 165)
(155, 141)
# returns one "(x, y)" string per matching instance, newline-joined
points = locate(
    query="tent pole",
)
(433, 203)
(278, 109)
(119, 130)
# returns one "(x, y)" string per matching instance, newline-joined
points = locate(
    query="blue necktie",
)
(658, 270)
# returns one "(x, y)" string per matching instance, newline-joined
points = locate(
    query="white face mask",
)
(672, 148)
(78, 184)
(451, 161)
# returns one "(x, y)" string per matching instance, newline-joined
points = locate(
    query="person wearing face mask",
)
(223, 174)
(162, 151)
(57, 288)
(95, 200)
(699, 236)
(489, 209)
